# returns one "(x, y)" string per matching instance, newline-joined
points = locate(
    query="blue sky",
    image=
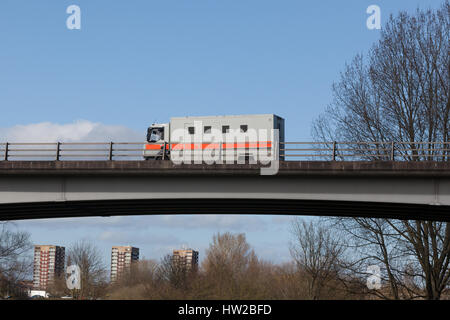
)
(136, 62)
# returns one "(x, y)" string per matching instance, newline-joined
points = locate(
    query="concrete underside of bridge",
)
(405, 190)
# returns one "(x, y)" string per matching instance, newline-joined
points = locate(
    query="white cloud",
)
(80, 130)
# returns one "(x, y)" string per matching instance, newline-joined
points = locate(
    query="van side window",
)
(191, 130)
(225, 129)
(207, 129)
(244, 128)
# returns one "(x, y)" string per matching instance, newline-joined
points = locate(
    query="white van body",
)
(223, 132)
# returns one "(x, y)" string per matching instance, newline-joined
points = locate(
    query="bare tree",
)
(93, 271)
(413, 255)
(428, 242)
(399, 93)
(229, 252)
(14, 264)
(58, 287)
(228, 260)
(172, 272)
(142, 271)
(375, 242)
(317, 252)
(139, 283)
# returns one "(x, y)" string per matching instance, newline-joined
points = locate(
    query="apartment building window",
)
(225, 129)
(191, 130)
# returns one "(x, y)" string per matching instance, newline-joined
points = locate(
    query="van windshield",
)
(155, 134)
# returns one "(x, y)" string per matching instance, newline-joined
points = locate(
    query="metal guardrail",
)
(70, 151)
(367, 151)
(331, 151)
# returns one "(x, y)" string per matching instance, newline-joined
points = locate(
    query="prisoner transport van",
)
(232, 136)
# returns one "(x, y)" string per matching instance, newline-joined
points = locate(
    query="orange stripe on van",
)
(153, 147)
(202, 146)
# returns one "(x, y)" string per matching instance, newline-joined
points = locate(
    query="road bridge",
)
(387, 189)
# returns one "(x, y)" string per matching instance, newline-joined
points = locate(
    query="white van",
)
(236, 135)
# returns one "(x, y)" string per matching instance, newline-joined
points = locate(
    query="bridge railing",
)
(71, 151)
(366, 151)
(325, 151)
